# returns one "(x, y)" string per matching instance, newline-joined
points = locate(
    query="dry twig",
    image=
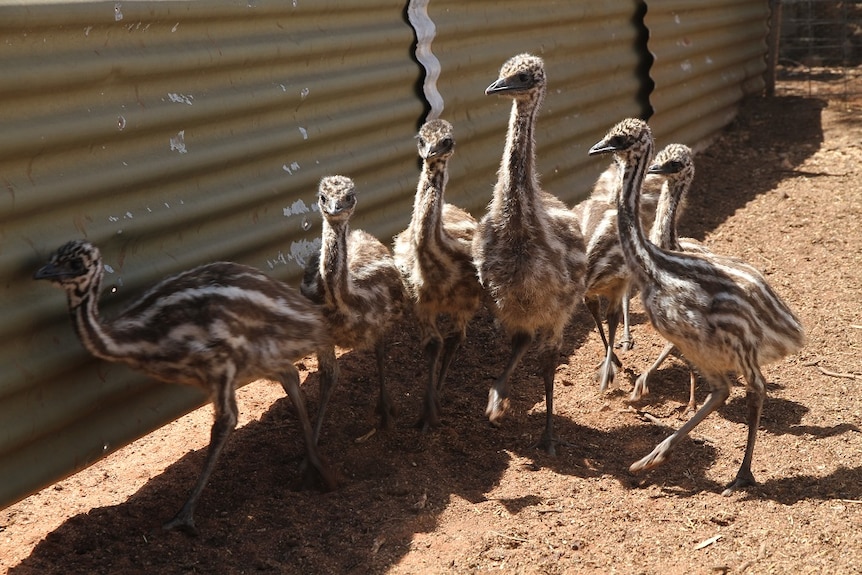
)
(707, 542)
(364, 438)
(512, 537)
(844, 375)
(652, 418)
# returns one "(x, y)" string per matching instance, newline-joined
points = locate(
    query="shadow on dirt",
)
(782, 416)
(610, 453)
(253, 514)
(768, 139)
(845, 483)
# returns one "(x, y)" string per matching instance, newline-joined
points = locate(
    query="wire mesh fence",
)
(820, 48)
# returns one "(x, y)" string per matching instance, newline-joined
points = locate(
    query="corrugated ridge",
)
(708, 56)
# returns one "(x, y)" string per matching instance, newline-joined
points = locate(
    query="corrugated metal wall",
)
(171, 134)
(174, 133)
(708, 56)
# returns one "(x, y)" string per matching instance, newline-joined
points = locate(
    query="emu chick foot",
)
(656, 457)
(497, 406)
(743, 479)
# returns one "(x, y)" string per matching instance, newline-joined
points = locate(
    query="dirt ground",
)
(781, 188)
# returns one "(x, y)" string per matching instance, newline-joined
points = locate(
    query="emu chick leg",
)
(717, 396)
(626, 343)
(608, 369)
(224, 424)
(431, 406)
(290, 383)
(549, 369)
(450, 346)
(754, 396)
(498, 395)
(642, 382)
(385, 409)
(329, 373)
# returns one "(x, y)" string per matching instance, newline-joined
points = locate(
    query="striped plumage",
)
(528, 248)
(597, 218)
(608, 279)
(355, 280)
(216, 327)
(719, 312)
(649, 199)
(436, 263)
(675, 165)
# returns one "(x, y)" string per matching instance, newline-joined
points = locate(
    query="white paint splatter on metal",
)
(304, 133)
(118, 12)
(181, 98)
(303, 94)
(292, 168)
(300, 251)
(297, 207)
(178, 143)
(279, 259)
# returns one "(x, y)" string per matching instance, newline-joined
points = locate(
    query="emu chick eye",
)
(619, 142)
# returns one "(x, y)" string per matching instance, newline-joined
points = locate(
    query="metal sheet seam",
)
(423, 26)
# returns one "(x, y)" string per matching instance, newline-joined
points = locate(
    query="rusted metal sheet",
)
(708, 56)
(172, 134)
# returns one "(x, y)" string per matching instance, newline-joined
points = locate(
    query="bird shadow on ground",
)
(593, 453)
(845, 483)
(767, 141)
(252, 514)
(782, 416)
